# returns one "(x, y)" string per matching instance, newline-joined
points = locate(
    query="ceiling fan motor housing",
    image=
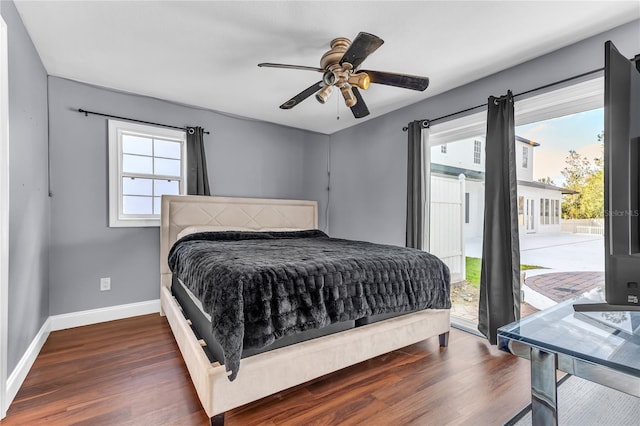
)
(338, 47)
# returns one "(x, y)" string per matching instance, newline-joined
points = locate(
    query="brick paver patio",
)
(557, 286)
(561, 286)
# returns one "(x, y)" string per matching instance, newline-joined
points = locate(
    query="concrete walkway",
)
(561, 252)
(571, 264)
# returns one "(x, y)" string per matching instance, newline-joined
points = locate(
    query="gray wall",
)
(368, 173)
(28, 197)
(245, 158)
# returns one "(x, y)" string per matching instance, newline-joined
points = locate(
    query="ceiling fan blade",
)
(360, 109)
(302, 96)
(362, 46)
(293, 67)
(405, 81)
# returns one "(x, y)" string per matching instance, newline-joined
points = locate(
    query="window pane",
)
(156, 205)
(137, 164)
(136, 145)
(166, 149)
(521, 210)
(167, 167)
(136, 186)
(166, 187)
(137, 205)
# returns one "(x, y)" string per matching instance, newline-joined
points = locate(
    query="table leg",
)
(544, 397)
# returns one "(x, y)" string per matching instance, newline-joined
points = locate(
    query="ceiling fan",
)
(340, 68)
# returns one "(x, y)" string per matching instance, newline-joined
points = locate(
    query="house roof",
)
(526, 141)
(541, 185)
(477, 175)
(456, 171)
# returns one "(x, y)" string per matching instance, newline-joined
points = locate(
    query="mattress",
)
(260, 287)
(201, 326)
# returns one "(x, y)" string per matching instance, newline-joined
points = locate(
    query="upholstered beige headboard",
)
(182, 211)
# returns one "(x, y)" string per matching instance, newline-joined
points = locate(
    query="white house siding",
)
(524, 173)
(443, 186)
(459, 154)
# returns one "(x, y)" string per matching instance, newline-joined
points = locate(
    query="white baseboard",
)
(74, 319)
(19, 373)
(94, 316)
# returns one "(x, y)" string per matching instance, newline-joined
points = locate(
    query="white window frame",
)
(477, 152)
(525, 157)
(116, 130)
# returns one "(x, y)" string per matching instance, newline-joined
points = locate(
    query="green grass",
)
(473, 265)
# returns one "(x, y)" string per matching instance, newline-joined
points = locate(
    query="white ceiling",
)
(205, 53)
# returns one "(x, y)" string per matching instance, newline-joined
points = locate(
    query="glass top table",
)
(603, 347)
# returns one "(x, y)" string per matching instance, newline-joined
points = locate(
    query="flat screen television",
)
(621, 183)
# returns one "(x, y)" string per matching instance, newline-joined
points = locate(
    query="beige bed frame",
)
(270, 372)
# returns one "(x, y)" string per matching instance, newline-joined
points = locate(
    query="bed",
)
(261, 374)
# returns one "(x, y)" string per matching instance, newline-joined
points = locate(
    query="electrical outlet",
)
(105, 284)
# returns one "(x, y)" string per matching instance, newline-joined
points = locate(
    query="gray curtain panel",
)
(197, 179)
(417, 172)
(500, 273)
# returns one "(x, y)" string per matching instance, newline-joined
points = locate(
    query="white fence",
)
(446, 214)
(583, 226)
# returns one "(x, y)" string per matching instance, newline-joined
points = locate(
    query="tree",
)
(587, 179)
(546, 180)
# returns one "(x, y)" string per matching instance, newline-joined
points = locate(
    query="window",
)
(466, 207)
(549, 211)
(477, 150)
(521, 210)
(546, 211)
(443, 148)
(525, 157)
(555, 207)
(144, 163)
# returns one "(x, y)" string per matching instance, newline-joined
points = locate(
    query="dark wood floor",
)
(129, 372)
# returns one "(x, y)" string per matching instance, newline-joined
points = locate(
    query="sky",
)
(559, 135)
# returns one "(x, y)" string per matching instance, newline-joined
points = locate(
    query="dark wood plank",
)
(130, 372)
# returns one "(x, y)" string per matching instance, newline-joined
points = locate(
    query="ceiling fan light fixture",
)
(349, 98)
(328, 78)
(323, 94)
(360, 80)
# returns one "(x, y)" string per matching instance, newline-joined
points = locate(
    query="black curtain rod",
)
(428, 123)
(86, 113)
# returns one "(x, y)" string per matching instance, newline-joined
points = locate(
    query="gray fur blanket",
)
(260, 286)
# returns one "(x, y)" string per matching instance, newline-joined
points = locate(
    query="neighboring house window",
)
(144, 163)
(477, 149)
(545, 211)
(525, 157)
(521, 210)
(466, 207)
(443, 148)
(556, 211)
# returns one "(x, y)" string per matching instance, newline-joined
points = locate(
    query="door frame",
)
(4, 214)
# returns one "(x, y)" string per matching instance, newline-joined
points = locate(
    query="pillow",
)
(217, 228)
(209, 228)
